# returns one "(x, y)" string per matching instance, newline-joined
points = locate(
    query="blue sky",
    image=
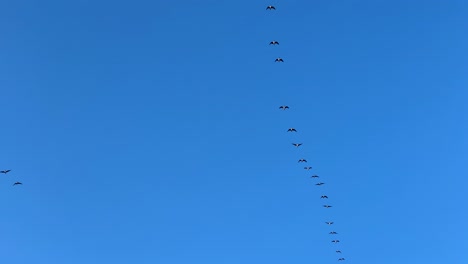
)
(149, 131)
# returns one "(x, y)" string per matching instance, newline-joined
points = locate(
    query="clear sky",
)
(149, 131)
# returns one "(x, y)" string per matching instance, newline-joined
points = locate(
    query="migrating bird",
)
(314, 176)
(274, 42)
(333, 233)
(302, 160)
(329, 223)
(324, 197)
(284, 107)
(5, 171)
(17, 183)
(270, 8)
(297, 144)
(335, 241)
(327, 206)
(307, 168)
(338, 251)
(279, 60)
(292, 130)
(341, 259)
(320, 183)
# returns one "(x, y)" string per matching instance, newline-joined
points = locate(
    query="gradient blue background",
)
(149, 131)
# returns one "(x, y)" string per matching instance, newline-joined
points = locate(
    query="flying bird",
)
(274, 42)
(320, 183)
(279, 60)
(284, 107)
(327, 206)
(324, 197)
(292, 130)
(5, 171)
(333, 233)
(17, 183)
(329, 223)
(335, 241)
(314, 176)
(338, 251)
(302, 160)
(307, 168)
(297, 144)
(270, 8)
(341, 259)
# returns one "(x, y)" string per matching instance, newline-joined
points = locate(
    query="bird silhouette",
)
(307, 168)
(335, 241)
(327, 206)
(297, 144)
(324, 197)
(17, 183)
(292, 130)
(329, 223)
(340, 259)
(5, 171)
(284, 107)
(333, 233)
(320, 183)
(279, 60)
(338, 251)
(314, 176)
(274, 42)
(302, 160)
(270, 8)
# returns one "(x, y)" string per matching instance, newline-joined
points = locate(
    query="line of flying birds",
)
(7, 171)
(297, 145)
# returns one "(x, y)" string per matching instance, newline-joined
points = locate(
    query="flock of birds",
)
(307, 168)
(7, 171)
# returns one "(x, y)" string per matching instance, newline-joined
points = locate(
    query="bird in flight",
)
(5, 171)
(284, 107)
(338, 251)
(297, 144)
(333, 233)
(17, 183)
(279, 60)
(320, 183)
(335, 241)
(324, 197)
(327, 206)
(270, 8)
(307, 168)
(302, 160)
(329, 223)
(340, 259)
(314, 176)
(274, 42)
(292, 130)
